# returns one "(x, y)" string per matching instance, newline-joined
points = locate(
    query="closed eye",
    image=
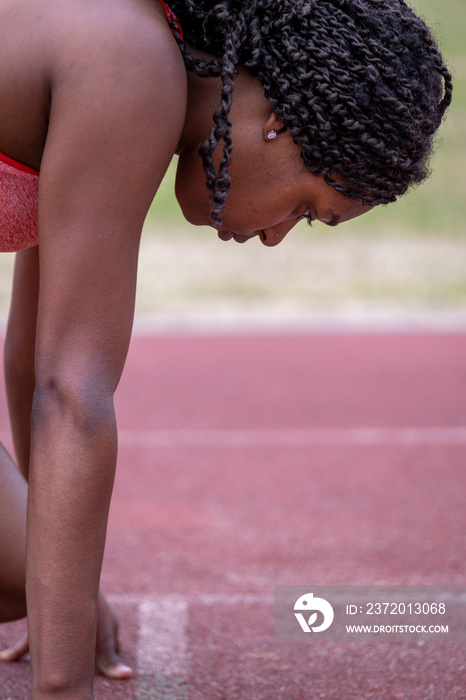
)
(308, 217)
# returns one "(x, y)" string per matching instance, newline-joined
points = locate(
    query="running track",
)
(249, 461)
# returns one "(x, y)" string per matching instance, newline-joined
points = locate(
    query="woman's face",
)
(271, 190)
(275, 192)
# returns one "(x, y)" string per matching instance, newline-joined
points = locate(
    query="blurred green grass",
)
(438, 206)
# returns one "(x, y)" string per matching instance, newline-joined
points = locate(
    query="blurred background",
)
(400, 264)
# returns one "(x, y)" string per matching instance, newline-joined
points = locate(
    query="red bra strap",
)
(17, 165)
(172, 18)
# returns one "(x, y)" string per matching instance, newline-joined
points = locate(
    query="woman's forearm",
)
(71, 478)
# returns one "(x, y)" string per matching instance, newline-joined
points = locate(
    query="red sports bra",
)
(19, 192)
(19, 197)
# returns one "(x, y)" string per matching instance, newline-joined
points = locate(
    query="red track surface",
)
(242, 466)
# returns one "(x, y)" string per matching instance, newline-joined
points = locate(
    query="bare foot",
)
(106, 649)
(15, 652)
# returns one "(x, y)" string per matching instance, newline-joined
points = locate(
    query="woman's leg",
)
(20, 345)
(13, 497)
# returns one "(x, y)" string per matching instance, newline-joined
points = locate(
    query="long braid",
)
(360, 85)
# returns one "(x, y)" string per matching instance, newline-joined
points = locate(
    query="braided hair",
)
(360, 85)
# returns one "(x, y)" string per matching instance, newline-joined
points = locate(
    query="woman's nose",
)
(275, 235)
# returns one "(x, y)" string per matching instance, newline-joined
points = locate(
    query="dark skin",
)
(96, 96)
(19, 379)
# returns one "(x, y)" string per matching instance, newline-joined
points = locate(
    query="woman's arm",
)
(114, 124)
(20, 380)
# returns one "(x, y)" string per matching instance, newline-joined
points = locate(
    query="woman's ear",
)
(272, 127)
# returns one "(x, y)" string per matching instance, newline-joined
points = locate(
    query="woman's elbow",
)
(80, 401)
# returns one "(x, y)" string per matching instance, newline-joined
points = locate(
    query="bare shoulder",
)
(95, 53)
(117, 110)
(124, 40)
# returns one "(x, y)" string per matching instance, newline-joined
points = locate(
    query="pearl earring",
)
(272, 134)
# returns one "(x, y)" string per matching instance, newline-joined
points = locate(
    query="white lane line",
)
(162, 643)
(162, 647)
(435, 435)
(163, 620)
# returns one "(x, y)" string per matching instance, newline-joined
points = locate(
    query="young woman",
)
(279, 110)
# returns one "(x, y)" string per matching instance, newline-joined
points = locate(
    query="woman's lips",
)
(225, 235)
(239, 238)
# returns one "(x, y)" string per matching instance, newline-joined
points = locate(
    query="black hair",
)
(360, 85)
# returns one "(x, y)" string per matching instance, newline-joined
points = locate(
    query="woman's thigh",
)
(13, 497)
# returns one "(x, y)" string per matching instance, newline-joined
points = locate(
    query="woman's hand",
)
(106, 648)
